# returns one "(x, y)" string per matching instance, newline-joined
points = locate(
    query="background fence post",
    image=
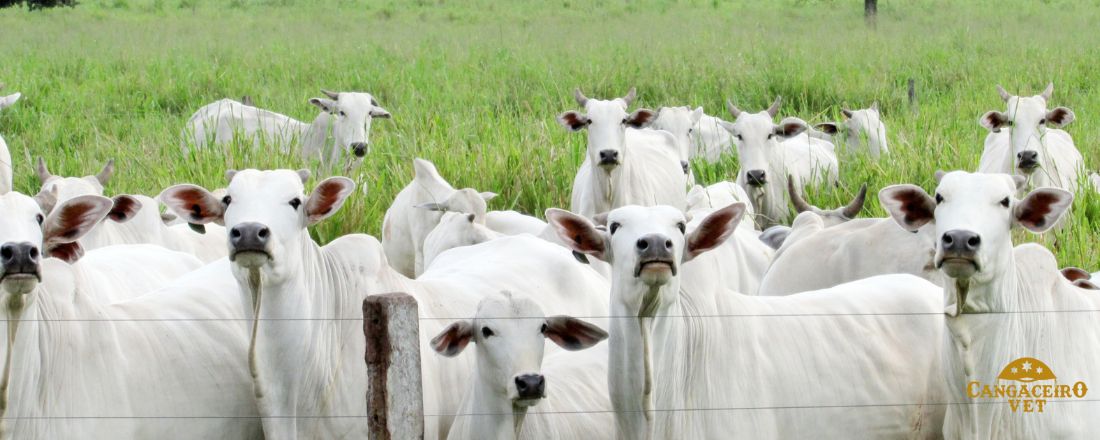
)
(394, 392)
(870, 11)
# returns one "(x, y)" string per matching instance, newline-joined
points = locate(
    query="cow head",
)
(351, 113)
(509, 331)
(266, 214)
(66, 188)
(33, 227)
(973, 215)
(862, 128)
(757, 137)
(606, 122)
(682, 123)
(645, 246)
(455, 229)
(1027, 118)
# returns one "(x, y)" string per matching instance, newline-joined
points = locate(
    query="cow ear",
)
(728, 126)
(453, 339)
(487, 196)
(193, 203)
(993, 121)
(696, 115)
(574, 121)
(327, 198)
(125, 207)
(7, 101)
(641, 118)
(829, 128)
(379, 113)
(72, 219)
(1042, 208)
(1059, 117)
(908, 205)
(714, 230)
(578, 233)
(847, 113)
(572, 334)
(790, 127)
(326, 105)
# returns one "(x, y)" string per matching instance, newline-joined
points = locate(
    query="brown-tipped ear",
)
(1059, 117)
(453, 339)
(830, 128)
(327, 198)
(993, 121)
(1074, 274)
(578, 233)
(908, 205)
(72, 219)
(847, 113)
(324, 104)
(574, 121)
(193, 203)
(67, 252)
(714, 230)
(573, 334)
(641, 118)
(1042, 208)
(1086, 284)
(790, 127)
(125, 208)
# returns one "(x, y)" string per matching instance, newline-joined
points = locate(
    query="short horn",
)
(333, 95)
(800, 205)
(1004, 93)
(43, 172)
(105, 174)
(581, 99)
(734, 111)
(853, 208)
(1048, 92)
(774, 109)
(629, 98)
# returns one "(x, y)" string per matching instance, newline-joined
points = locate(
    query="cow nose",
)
(685, 165)
(609, 157)
(531, 386)
(249, 237)
(960, 241)
(654, 243)
(19, 258)
(756, 177)
(1028, 159)
(359, 149)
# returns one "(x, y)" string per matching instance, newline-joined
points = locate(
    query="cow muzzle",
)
(756, 177)
(959, 256)
(529, 388)
(609, 159)
(656, 264)
(248, 243)
(360, 149)
(20, 263)
(1027, 161)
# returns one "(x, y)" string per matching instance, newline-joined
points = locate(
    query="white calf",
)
(864, 128)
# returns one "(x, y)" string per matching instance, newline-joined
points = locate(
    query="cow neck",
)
(770, 203)
(497, 417)
(318, 139)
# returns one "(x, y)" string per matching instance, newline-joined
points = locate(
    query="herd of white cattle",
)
(223, 318)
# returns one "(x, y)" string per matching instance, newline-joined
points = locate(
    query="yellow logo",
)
(1028, 396)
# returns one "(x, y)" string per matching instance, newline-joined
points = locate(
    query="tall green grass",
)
(475, 85)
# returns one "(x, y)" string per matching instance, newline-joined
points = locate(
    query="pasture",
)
(474, 85)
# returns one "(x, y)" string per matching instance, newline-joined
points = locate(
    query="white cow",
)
(702, 362)
(515, 394)
(697, 134)
(775, 236)
(864, 128)
(134, 219)
(771, 154)
(681, 123)
(1003, 304)
(289, 284)
(455, 229)
(719, 195)
(5, 154)
(342, 127)
(417, 209)
(624, 164)
(513, 223)
(168, 364)
(1027, 139)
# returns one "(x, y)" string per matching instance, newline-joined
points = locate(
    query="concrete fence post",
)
(391, 325)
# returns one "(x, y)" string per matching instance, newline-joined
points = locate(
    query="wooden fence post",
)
(913, 95)
(395, 396)
(870, 10)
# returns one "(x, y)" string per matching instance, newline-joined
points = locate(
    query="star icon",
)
(1039, 370)
(1015, 370)
(1027, 366)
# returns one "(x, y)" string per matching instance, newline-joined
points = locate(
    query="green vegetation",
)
(474, 85)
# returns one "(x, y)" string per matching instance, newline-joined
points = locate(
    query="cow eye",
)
(614, 227)
(1005, 202)
(544, 328)
(624, 120)
(295, 203)
(39, 218)
(341, 113)
(486, 332)
(226, 200)
(738, 136)
(771, 135)
(939, 198)
(681, 226)
(691, 130)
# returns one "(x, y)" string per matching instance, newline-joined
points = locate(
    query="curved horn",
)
(105, 174)
(1004, 93)
(774, 109)
(629, 98)
(800, 205)
(333, 95)
(43, 172)
(1048, 92)
(853, 208)
(581, 99)
(732, 109)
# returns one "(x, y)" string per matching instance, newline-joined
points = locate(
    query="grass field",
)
(474, 85)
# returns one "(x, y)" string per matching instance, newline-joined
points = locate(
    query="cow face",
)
(265, 213)
(509, 332)
(1027, 118)
(757, 138)
(351, 114)
(861, 127)
(7, 101)
(682, 123)
(32, 227)
(973, 215)
(67, 188)
(606, 122)
(645, 245)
